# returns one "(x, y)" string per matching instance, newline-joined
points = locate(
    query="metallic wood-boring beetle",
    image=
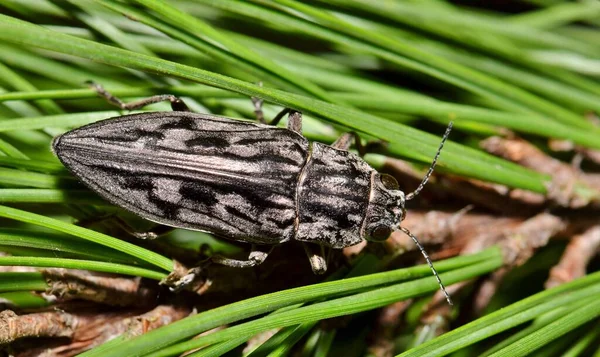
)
(243, 181)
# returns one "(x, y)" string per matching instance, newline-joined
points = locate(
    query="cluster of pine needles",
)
(510, 216)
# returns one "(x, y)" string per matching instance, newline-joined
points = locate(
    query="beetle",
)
(245, 181)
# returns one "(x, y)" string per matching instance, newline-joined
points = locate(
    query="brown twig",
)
(449, 188)
(90, 328)
(106, 289)
(454, 230)
(580, 250)
(518, 246)
(519, 240)
(566, 181)
(495, 197)
(383, 333)
(44, 324)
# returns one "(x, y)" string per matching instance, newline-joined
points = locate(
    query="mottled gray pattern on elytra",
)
(239, 180)
(235, 179)
(333, 197)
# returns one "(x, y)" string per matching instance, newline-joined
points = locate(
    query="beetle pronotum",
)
(249, 182)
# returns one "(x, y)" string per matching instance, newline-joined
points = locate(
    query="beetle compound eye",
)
(389, 182)
(380, 233)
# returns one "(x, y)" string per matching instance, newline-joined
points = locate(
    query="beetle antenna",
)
(413, 194)
(435, 273)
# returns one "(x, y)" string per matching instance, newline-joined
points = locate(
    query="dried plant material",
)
(519, 246)
(519, 240)
(44, 324)
(580, 250)
(434, 227)
(589, 154)
(387, 323)
(561, 145)
(106, 289)
(534, 233)
(495, 197)
(92, 328)
(15, 269)
(567, 188)
(447, 188)
(456, 230)
(258, 340)
(435, 322)
(159, 316)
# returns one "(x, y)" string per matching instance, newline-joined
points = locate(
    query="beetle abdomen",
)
(333, 196)
(231, 178)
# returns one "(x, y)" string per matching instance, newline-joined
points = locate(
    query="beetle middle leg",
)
(257, 256)
(176, 103)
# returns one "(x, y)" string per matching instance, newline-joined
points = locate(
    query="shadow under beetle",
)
(243, 181)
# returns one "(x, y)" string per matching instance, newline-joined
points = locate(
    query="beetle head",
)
(386, 208)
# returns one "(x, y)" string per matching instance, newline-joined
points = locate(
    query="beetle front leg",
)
(316, 256)
(176, 103)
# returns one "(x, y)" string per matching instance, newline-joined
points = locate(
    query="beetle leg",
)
(260, 116)
(294, 117)
(176, 103)
(295, 121)
(279, 116)
(318, 263)
(256, 257)
(155, 233)
(345, 141)
(258, 103)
